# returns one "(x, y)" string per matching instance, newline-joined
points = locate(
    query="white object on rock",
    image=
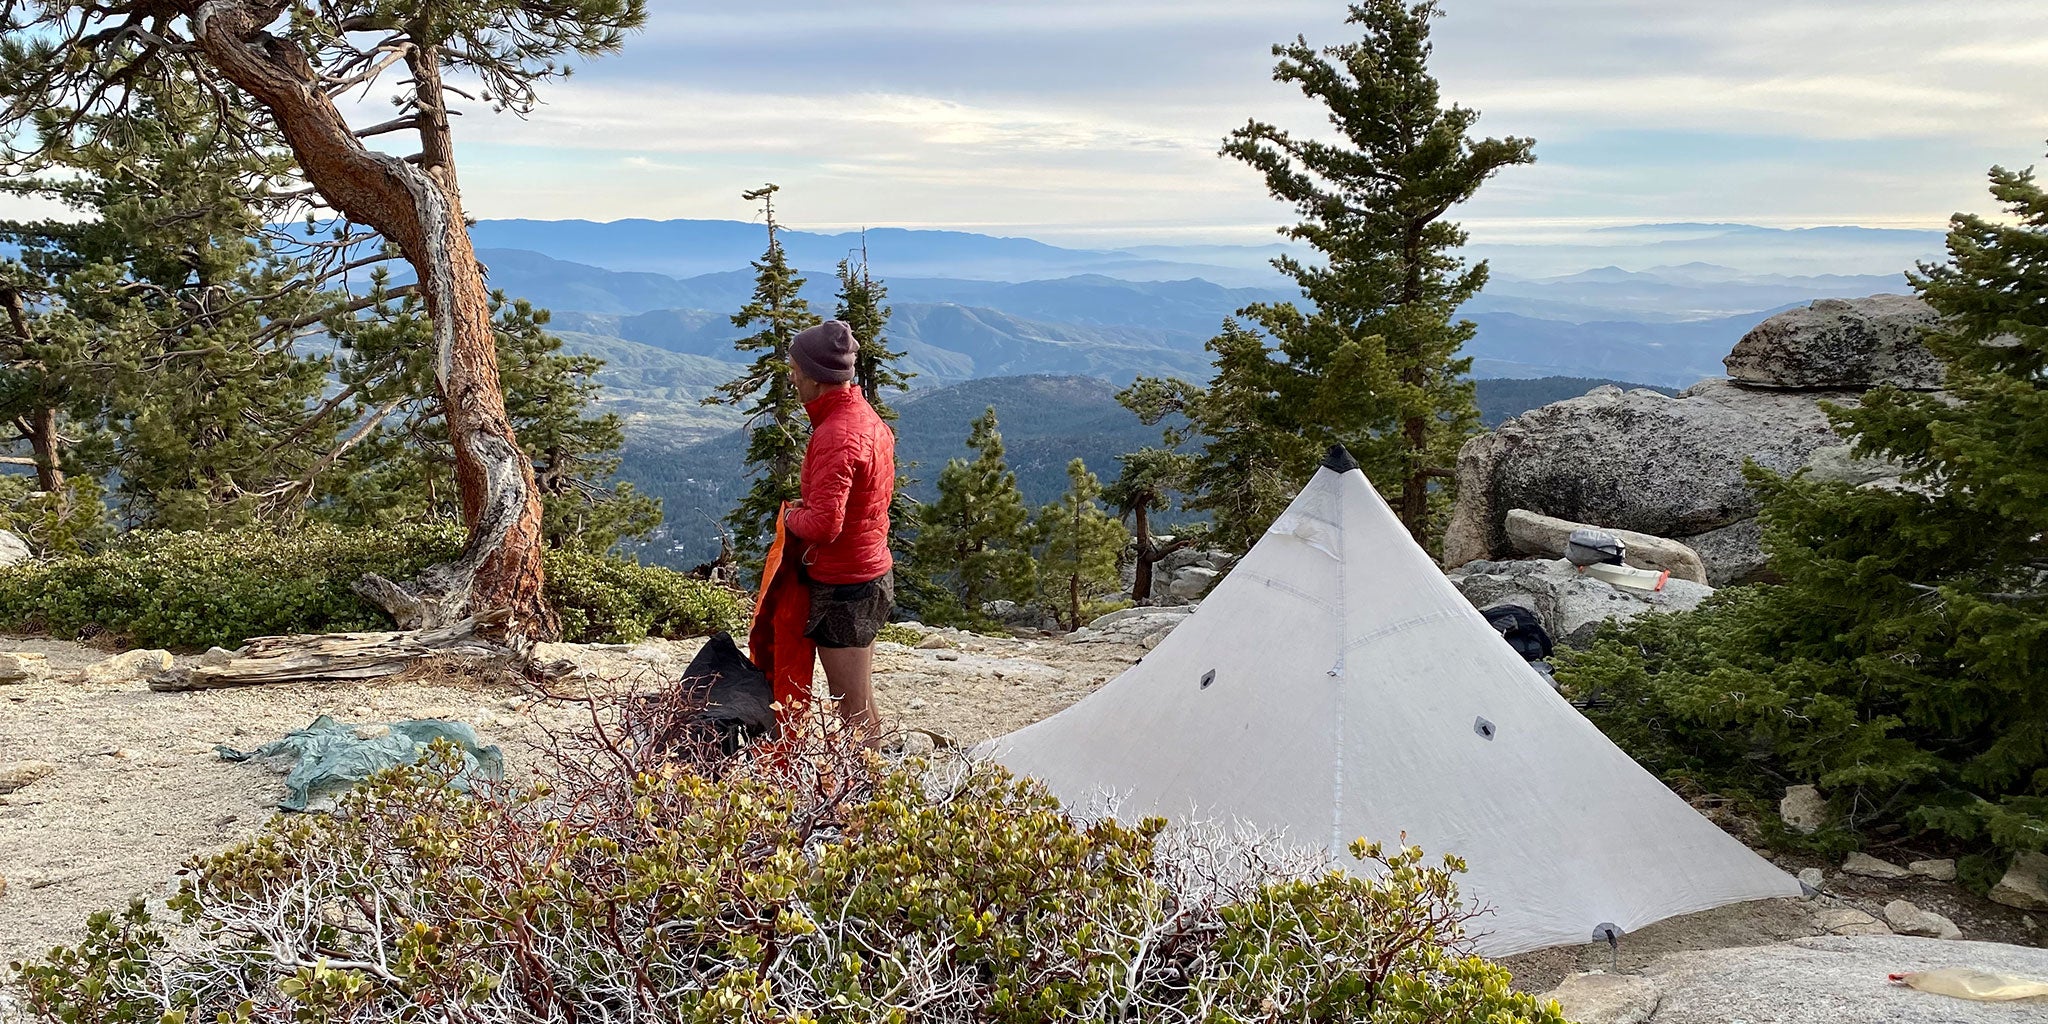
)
(1939, 870)
(1850, 921)
(1803, 809)
(2025, 884)
(23, 667)
(126, 667)
(1870, 867)
(1908, 919)
(1600, 998)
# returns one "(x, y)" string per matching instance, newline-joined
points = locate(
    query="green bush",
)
(194, 590)
(1765, 687)
(603, 599)
(904, 895)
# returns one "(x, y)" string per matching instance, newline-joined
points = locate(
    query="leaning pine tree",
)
(283, 67)
(1372, 362)
(777, 428)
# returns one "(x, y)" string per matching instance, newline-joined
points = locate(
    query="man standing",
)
(842, 519)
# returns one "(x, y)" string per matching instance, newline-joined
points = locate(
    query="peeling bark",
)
(419, 208)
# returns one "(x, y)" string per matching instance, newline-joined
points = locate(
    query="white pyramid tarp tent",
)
(1335, 685)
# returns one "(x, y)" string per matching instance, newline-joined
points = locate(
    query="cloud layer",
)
(1078, 120)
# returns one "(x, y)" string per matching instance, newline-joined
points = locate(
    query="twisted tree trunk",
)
(419, 208)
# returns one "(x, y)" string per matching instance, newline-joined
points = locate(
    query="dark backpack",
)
(1521, 629)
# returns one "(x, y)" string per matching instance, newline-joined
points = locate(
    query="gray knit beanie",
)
(825, 352)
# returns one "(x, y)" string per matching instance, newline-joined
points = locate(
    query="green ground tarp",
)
(329, 757)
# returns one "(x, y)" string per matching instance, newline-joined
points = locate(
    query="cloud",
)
(1085, 118)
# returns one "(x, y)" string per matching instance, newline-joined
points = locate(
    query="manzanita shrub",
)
(195, 590)
(855, 892)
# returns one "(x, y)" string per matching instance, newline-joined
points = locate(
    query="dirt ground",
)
(138, 788)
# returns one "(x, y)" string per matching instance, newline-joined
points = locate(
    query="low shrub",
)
(1763, 688)
(858, 894)
(194, 589)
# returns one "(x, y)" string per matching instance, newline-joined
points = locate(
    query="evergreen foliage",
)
(860, 308)
(975, 539)
(1899, 666)
(158, 331)
(1255, 455)
(778, 430)
(193, 590)
(1372, 362)
(1078, 546)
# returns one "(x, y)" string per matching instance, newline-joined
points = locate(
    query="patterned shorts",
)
(850, 614)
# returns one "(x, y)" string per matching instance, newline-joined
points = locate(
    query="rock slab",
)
(13, 550)
(1871, 867)
(1599, 998)
(23, 667)
(17, 775)
(1939, 870)
(126, 667)
(1841, 343)
(1836, 980)
(1638, 460)
(1906, 918)
(1544, 536)
(2025, 884)
(1803, 809)
(1571, 604)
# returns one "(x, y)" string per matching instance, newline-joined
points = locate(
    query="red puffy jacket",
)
(848, 477)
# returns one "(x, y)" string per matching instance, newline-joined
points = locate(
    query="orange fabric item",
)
(776, 640)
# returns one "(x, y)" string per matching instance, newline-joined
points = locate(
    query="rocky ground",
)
(123, 784)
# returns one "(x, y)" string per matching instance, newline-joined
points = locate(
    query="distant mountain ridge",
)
(1047, 421)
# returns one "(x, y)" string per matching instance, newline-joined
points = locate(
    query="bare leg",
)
(849, 673)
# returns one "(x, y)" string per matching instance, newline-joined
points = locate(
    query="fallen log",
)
(327, 657)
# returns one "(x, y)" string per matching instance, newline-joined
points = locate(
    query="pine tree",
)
(1373, 362)
(1899, 664)
(160, 326)
(1255, 451)
(975, 538)
(860, 308)
(1078, 545)
(775, 444)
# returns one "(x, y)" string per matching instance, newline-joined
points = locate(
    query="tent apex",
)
(1339, 460)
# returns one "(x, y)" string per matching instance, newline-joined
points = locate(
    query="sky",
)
(1098, 121)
